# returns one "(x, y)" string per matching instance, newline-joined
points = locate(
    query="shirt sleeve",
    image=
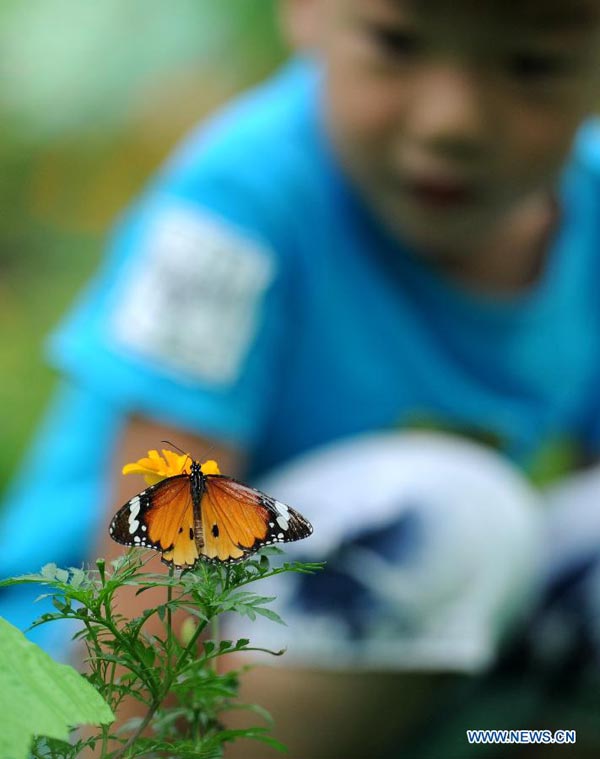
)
(184, 323)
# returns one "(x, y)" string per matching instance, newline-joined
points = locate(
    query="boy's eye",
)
(395, 42)
(533, 66)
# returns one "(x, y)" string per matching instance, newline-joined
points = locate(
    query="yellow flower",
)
(156, 467)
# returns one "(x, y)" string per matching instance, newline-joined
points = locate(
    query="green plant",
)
(175, 677)
(39, 696)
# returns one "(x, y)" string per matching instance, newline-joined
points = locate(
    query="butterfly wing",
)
(238, 520)
(160, 517)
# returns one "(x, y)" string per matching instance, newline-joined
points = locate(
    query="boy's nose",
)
(447, 113)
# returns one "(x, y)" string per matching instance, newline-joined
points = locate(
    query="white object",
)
(444, 602)
(190, 299)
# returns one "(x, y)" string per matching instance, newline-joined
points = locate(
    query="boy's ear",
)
(300, 22)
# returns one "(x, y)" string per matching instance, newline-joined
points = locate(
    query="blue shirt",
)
(249, 296)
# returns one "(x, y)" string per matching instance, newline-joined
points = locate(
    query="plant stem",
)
(142, 726)
(215, 634)
(104, 741)
(169, 641)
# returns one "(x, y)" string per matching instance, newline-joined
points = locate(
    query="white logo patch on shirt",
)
(191, 299)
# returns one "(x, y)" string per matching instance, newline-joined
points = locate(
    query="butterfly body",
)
(211, 517)
(197, 488)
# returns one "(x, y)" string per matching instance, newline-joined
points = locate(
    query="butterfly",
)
(205, 516)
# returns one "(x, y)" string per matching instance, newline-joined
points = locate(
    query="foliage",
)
(39, 696)
(175, 677)
(82, 132)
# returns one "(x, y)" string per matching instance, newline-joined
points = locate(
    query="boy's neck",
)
(514, 257)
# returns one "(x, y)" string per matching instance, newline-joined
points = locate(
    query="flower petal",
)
(176, 463)
(155, 467)
(210, 467)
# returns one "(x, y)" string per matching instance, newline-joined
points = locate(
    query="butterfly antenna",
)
(177, 448)
(207, 453)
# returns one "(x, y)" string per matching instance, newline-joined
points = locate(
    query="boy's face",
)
(450, 114)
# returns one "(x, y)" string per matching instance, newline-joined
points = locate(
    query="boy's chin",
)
(440, 235)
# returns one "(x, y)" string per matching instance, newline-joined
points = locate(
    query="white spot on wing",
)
(282, 509)
(282, 522)
(133, 526)
(134, 508)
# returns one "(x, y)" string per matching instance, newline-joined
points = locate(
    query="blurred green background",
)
(94, 96)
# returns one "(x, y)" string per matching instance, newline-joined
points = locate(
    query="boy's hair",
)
(550, 12)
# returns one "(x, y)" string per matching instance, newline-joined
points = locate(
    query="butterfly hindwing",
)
(160, 517)
(238, 520)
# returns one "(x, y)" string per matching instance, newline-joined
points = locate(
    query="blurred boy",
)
(395, 230)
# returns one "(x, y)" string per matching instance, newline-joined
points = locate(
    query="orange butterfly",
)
(205, 516)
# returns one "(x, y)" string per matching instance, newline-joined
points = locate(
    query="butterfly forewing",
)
(237, 520)
(160, 517)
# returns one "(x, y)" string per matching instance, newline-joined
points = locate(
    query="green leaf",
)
(209, 647)
(78, 578)
(147, 654)
(49, 571)
(254, 733)
(269, 614)
(271, 551)
(39, 696)
(62, 575)
(60, 604)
